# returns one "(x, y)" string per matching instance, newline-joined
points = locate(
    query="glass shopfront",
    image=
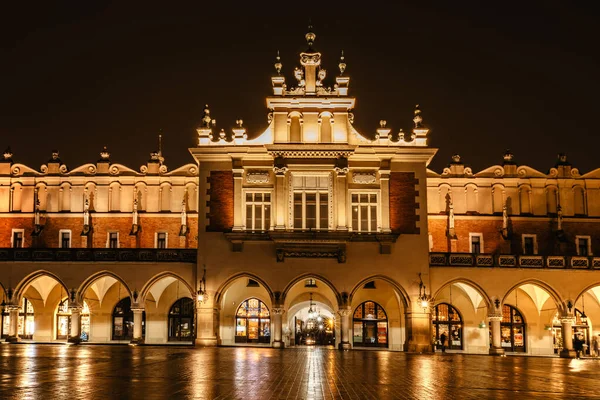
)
(446, 320)
(252, 322)
(123, 320)
(370, 325)
(181, 320)
(63, 321)
(26, 325)
(512, 330)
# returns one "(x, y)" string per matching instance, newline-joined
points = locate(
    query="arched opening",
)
(447, 326)
(461, 313)
(311, 304)
(527, 314)
(512, 330)
(101, 293)
(551, 200)
(63, 321)
(122, 320)
(169, 309)
(181, 320)
(370, 325)
(39, 294)
(252, 322)
(295, 128)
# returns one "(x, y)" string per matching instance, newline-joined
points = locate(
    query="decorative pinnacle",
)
(382, 123)
(342, 64)
(54, 154)
(239, 123)
(456, 159)
(104, 154)
(310, 36)
(8, 153)
(206, 117)
(278, 64)
(508, 156)
(418, 119)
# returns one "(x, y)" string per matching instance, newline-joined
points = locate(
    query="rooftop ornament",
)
(278, 64)
(104, 154)
(8, 154)
(418, 119)
(342, 64)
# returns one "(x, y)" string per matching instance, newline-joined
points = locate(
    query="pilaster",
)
(384, 178)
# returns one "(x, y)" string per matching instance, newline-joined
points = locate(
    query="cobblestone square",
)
(124, 372)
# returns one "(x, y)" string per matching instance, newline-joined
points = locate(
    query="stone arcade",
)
(309, 225)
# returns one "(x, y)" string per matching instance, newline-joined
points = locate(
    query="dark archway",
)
(181, 320)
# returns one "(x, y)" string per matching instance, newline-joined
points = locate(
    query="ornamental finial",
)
(104, 154)
(206, 120)
(418, 119)
(8, 154)
(310, 36)
(278, 64)
(342, 64)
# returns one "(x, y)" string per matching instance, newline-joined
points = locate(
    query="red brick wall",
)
(49, 236)
(493, 241)
(403, 205)
(220, 205)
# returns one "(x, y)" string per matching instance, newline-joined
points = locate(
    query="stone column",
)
(75, 333)
(496, 348)
(277, 313)
(567, 337)
(341, 199)
(418, 330)
(138, 316)
(345, 313)
(13, 329)
(238, 176)
(384, 177)
(280, 197)
(207, 324)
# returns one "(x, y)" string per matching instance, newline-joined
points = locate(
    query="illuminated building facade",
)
(309, 224)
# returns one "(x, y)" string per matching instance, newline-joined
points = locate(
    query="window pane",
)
(373, 219)
(258, 217)
(249, 217)
(267, 197)
(297, 210)
(355, 198)
(258, 196)
(364, 218)
(311, 210)
(373, 198)
(369, 310)
(249, 197)
(267, 217)
(355, 218)
(363, 198)
(323, 211)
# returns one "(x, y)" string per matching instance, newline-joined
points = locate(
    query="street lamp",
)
(424, 298)
(202, 295)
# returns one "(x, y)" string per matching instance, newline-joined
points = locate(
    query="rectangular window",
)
(113, 240)
(584, 246)
(311, 210)
(364, 212)
(258, 211)
(161, 240)
(65, 239)
(476, 243)
(529, 244)
(17, 238)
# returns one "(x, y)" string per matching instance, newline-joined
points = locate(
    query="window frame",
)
(12, 238)
(108, 240)
(377, 193)
(535, 243)
(60, 238)
(166, 239)
(271, 203)
(481, 247)
(317, 192)
(589, 245)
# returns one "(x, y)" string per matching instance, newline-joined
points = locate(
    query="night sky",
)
(76, 77)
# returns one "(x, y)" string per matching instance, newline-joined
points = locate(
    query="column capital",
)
(344, 311)
(12, 307)
(75, 308)
(384, 173)
(494, 317)
(277, 310)
(567, 319)
(137, 308)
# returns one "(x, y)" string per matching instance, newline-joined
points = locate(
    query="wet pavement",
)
(55, 372)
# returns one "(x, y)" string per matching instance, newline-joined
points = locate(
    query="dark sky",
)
(77, 76)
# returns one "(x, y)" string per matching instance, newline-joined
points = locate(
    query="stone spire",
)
(419, 131)
(278, 81)
(342, 64)
(278, 64)
(310, 60)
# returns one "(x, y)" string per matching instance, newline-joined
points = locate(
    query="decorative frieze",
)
(258, 177)
(364, 178)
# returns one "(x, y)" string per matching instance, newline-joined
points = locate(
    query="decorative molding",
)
(364, 178)
(258, 177)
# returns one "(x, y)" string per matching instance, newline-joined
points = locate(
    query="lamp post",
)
(202, 296)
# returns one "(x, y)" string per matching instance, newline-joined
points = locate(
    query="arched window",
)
(122, 317)
(447, 320)
(512, 329)
(551, 200)
(252, 322)
(63, 321)
(181, 320)
(524, 200)
(295, 129)
(370, 325)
